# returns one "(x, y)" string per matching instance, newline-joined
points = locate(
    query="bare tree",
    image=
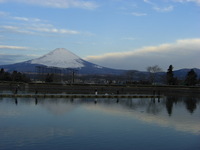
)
(152, 72)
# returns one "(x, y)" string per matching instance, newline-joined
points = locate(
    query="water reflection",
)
(153, 112)
(16, 102)
(152, 106)
(88, 122)
(170, 111)
(36, 101)
(190, 103)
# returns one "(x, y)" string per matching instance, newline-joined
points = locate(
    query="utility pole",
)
(73, 74)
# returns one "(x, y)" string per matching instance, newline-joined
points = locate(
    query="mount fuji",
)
(62, 59)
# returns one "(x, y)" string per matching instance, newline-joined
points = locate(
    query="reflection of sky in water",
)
(180, 120)
(116, 124)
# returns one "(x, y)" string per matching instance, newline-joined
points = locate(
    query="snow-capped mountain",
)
(63, 59)
(60, 58)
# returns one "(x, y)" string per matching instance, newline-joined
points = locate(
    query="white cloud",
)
(15, 29)
(164, 9)
(138, 14)
(21, 18)
(158, 8)
(183, 1)
(129, 38)
(181, 54)
(6, 14)
(13, 47)
(54, 30)
(58, 3)
(36, 29)
(27, 19)
(33, 26)
(9, 27)
(180, 1)
(148, 1)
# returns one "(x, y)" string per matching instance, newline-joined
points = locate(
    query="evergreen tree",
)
(49, 78)
(7, 77)
(16, 76)
(2, 74)
(170, 76)
(2, 71)
(191, 78)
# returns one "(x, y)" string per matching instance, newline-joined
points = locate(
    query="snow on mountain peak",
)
(61, 58)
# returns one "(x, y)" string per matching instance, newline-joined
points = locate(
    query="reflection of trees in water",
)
(153, 107)
(130, 103)
(169, 104)
(36, 101)
(16, 102)
(190, 103)
(133, 103)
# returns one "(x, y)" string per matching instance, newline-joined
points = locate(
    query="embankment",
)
(55, 88)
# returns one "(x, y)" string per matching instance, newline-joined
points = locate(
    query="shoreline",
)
(56, 88)
(77, 96)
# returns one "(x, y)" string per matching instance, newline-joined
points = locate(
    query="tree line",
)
(14, 76)
(191, 78)
(154, 75)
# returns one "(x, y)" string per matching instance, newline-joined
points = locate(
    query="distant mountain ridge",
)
(182, 73)
(64, 59)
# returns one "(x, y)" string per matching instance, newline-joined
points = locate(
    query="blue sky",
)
(125, 34)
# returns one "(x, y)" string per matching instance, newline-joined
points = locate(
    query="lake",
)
(169, 123)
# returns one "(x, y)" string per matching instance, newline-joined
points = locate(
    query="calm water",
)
(100, 124)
